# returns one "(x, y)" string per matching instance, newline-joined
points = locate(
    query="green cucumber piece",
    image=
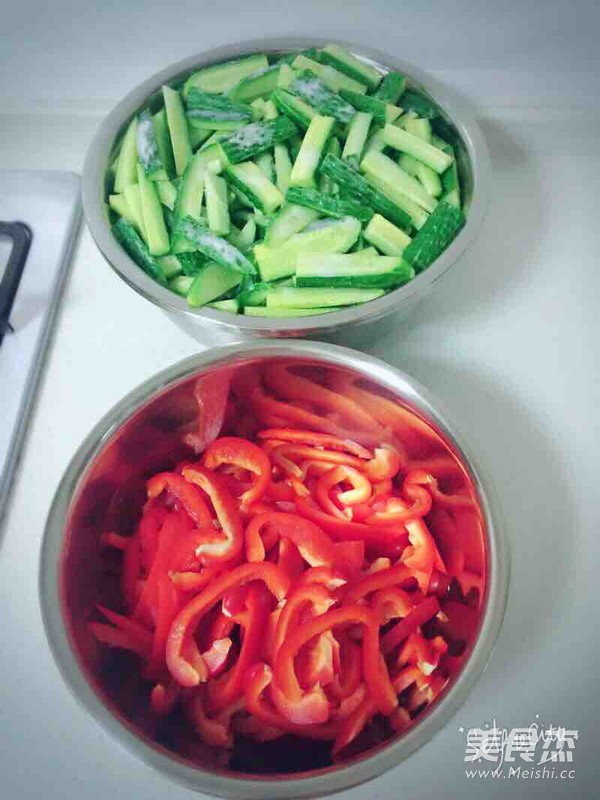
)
(450, 179)
(181, 284)
(147, 148)
(326, 185)
(213, 246)
(381, 111)
(409, 164)
(383, 172)
(213, 281)
(350, 65)
(286, 76)
(291, 219)
(223, 77)
(232, 305)
(170, 266)
(243, 239)
(215, 111)
(419, 127)
(292, 297)
(266, 165)
(178, 129)
(217, 207)
(191, 263)
(131, 242)
(198, 136)
(258, 84)
(422, 106)
(356, 138)
(252, 183)
(358, 187)
(328, 205)
(386, 236)
(167, 193)
(330, 76)
(378, 272)
(437, 233)
(279, 261)
(134, 203)
(127, 164)
(281, 311)
(255, 138)
(270, 110)
(191, 189)
(283, 167)
(293, 107)
(407, 142)
(311, 151)
(157, 235)
(118, 203)
(163, 141)
(256, 296)
(313, 91)
(391, 88)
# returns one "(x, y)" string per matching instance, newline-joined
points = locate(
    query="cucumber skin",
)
(238, 184)
(256, 84)
(359, 188)
(157, 234)
(198, 296)
(205, 78)
(435, 236)
(191, 262)
(328, 205)
(148, 155)
(368, 104)
(385, 280)
(127, 164)
(320, 297)
(178, 130)
(391, 88)
(267, 133)
(293, 107)
(282, 312)
(421, 105)
(214, 247)
(365, 74)
(198, 100)
(308, 86)
(132, 243)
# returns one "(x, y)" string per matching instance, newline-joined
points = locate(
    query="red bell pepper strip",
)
(148, 532)
(194, 581)
(166, 607)
(424, 653)
(400, 719)
(313, 439)
(342, 530)
(330, 578)
(114, 637)
(243, 454)
(314, 595)
(384, 465)
(186, 494)
(361, 485)
(211, 393)
(290, 559)
(426, 694)
(316, 663)
(349, 676)
(227, 543)
(420, 477)
(312, 706)
(422, 612)
(163, 699)
(230, 686)
(216, 656)
(180, 644)
(214, 731)
(351, 554)
(422, 555)
(278, 490)
(295, 452)
(112, 539)
(382, 579)
(391, 603)
(257, 680)
(137, 632)
(315, 547)
(396, 511)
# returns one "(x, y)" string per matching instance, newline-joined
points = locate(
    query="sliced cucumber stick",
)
(292, 297)
(311, 151)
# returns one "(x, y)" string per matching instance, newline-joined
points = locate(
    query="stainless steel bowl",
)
(474, 170)
(102, 477)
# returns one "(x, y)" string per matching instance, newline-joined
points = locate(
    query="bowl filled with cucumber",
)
(287, 187)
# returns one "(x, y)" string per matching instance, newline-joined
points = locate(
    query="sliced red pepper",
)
(424, 653)
(420, 477)
(361, 486)
(214, 731)
(315, 547)
(257, 680)
(349, 675)
(163, 699)
(313, 439)
(138, 633)
(384, 465)
(187, 495)
(346, 531)
(114, 637)
(396, 511)
(230, 685)
(422, 612)
(330, 578)
(180, 646)
(216, 656)
(391, 603)
(422, 555)
(290, 559)
(228, 542)
(166, 608)
(382, 579)
(314, 595)
(312, 706)
(241, 453)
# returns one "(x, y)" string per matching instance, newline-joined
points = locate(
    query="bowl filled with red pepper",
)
(272, 571)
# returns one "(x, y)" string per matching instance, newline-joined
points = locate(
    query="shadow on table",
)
(529, 480)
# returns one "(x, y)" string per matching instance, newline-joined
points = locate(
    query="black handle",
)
(21, 240)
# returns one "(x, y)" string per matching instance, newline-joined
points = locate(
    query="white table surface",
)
(509, 342)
